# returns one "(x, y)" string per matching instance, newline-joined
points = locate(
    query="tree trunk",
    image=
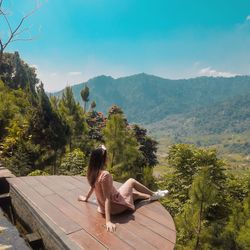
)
(1, 58)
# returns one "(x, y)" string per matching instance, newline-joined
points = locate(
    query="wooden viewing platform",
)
(49, 206)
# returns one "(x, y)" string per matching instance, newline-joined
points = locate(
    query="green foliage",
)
(73, 163)
(148, 178)
(15, 73)
(192, 223)
(92, 105)
(187, 160)
(35, 131)
(122, 147)
(13, 105)
(243, 237)
(46, 126)
(148, 146)
(96, 122)
(21, 159)
(199, 198)
(37, 173)
(72, 114)
(85, 96)
(237, 231)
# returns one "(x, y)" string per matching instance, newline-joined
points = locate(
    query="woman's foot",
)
(158, 195)
(82, 198)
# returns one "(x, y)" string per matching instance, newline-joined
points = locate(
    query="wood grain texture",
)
(55, 197)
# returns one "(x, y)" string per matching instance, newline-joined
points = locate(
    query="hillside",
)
(224, 126)
(147, 98)
(231, 116)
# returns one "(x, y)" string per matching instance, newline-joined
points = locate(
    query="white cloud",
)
(74, 73)
(248, 18)
(53, 74)
(212, 72)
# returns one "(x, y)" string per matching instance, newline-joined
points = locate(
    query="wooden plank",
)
(5, 173)
(149, 227)
(126, 226)
(158, 208)
(129, 222)
(156, 227)
(161, 217)
(52, 213)
(77, 183)
(54, 183)
(36, 185)
(84, 241)
(90, 220)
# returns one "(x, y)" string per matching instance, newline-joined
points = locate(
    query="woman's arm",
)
(109, 225)
(85, 198)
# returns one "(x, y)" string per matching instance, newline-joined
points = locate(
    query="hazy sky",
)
(79, 39)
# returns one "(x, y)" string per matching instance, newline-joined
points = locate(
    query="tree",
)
(237, 231)
(122, 148)
(15, 73)
(148, 146)
(92, 105)
(13, 103)
(196, 171)
(85, 96)
(73, 115)
(47, 129)
(243, 238)
(15, 32)
(193, 224)
(96, 122)
(73, 163)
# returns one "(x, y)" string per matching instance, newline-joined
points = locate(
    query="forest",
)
(46, 135)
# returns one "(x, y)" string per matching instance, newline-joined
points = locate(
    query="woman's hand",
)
(82, 198)
(85, 198)
(110, 226)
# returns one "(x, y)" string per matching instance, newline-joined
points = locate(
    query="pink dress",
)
(121, 199)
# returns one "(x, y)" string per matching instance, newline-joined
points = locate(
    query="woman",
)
(111, 200)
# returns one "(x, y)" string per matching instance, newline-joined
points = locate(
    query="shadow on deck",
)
(48, 206)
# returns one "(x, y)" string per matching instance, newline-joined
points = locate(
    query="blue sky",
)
(80, 39)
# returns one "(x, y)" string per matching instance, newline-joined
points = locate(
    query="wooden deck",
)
(48, 204)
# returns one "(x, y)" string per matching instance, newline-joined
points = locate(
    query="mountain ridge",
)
(147, 98)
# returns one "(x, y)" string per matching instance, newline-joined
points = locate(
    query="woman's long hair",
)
(96, 163)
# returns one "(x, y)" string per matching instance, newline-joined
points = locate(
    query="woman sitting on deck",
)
(111, 200)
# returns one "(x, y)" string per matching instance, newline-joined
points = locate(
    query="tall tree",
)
(85, 96)
(148, 146)
(193, 225)
(73, 115)
(47, 128)
(122, 148)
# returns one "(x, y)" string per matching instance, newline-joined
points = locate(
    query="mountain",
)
(148, 99)
(231, 116)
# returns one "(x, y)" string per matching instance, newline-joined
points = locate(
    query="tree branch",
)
(22, 39)
(6, 19)
(15, 32)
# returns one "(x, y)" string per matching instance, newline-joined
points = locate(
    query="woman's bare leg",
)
(139, 187)
(140, 196)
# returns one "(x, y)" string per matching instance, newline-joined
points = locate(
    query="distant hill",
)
(148, 99)
(231, 116)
